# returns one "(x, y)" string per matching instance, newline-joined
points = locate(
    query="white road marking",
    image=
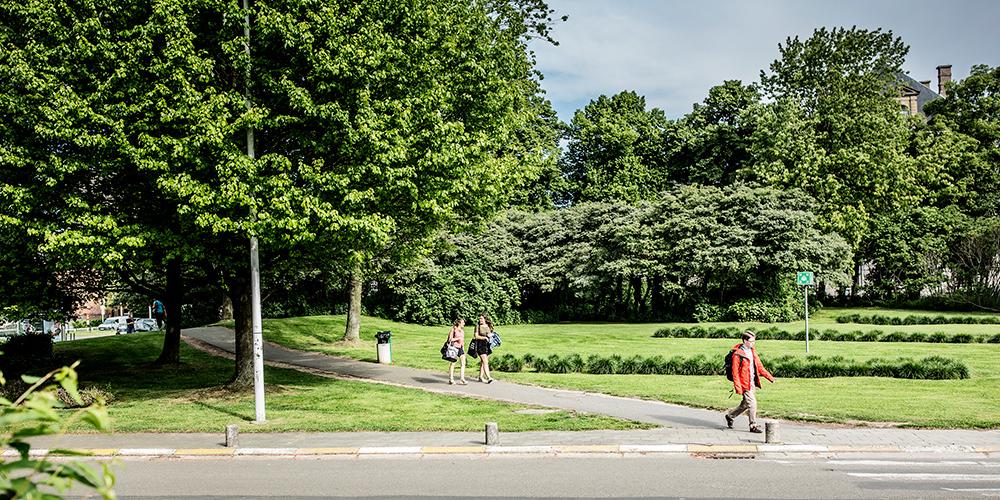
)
(926, 477)
(900, 462)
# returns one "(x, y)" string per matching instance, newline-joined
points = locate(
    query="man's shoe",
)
(756, 430)
(729, 421)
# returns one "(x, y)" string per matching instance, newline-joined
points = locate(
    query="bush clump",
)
(878, 319)
(774, 333)
(930, 368)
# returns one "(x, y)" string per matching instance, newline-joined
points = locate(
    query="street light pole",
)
(258, 330)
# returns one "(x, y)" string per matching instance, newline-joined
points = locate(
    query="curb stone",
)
(556, 450)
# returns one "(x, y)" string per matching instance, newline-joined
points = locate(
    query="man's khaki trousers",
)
(749, 405)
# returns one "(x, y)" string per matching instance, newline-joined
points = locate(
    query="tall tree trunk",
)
(618, 298)
(656, 297)
(353, 330)
(171, 352)
(239, 290)
(637, 301)
(857, 280)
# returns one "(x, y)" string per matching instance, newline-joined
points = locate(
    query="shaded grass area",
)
(191, 398)
(969, 403)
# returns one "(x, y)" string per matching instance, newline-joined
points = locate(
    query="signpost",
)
(805, 280)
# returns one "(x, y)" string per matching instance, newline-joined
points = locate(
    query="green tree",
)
(376, 124)
(710, 144)
(616, 150)
(834, 128)
(721, 246)
(537, 147)
(909, 251)
(972, 109)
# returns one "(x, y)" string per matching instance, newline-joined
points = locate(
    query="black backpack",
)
(729, 364)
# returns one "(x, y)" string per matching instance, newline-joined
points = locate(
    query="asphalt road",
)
(672, 476)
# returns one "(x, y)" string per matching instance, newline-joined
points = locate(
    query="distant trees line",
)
(707, 217)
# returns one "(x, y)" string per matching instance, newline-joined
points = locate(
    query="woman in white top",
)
(456, 337)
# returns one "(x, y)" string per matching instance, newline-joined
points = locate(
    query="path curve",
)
(641, 410)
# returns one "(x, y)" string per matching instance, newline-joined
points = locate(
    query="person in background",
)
(130, 324)
(159, 312)
(482, 339)
(747, 370)
(456, 338)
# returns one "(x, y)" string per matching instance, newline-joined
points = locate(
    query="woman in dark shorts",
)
(457, 338)
(482, 339)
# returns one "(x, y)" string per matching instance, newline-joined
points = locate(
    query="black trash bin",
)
(384, 347)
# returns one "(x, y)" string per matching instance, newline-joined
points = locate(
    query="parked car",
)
(113, 323)
(145, 325)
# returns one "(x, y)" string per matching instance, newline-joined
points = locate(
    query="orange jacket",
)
(741, 370)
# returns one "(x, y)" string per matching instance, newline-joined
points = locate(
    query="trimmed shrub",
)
(877, 319)
(895, 337)
(508, 362)
(652, 365)
(630, 366)
(932, 368)
(871, 336)
(937, 337)
(575, 363)
(599, 365)
(775, 333)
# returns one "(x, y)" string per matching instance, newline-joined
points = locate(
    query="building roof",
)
(923, 93)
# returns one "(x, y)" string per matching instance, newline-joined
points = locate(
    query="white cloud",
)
(672, 52)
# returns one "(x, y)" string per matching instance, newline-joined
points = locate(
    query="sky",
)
(673, 51)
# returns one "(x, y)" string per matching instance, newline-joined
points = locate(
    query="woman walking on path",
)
(482, 340)
(456, 338)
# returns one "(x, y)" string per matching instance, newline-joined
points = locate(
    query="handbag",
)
(473, 352)
(449, 352)
(495, 339)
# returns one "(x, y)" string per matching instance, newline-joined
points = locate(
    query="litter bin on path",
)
(384, 347)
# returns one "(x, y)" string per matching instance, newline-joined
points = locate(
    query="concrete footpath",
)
(681, 429)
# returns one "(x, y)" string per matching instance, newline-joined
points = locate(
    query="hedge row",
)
(930, 368)
(878, 319)
(772, 333)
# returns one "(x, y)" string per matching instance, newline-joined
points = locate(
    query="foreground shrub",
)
(33, 414)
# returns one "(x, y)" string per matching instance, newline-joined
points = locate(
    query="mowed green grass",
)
(190, 397)
(970, 403)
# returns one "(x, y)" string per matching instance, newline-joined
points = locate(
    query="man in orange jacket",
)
(747, 370)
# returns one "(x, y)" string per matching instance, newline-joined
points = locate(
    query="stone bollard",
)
(492, 433)
(771, 433)
(232, 435)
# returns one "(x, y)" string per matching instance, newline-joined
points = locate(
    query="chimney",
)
(925, 83)
(944, 76)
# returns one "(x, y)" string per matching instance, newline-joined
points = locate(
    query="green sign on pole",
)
(805, 279)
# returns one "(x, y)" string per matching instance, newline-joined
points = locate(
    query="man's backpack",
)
(729, 364)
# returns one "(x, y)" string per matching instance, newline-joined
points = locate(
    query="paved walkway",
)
(679, 425)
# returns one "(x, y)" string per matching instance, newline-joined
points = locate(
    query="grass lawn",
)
(970, 403)
(189, 397)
